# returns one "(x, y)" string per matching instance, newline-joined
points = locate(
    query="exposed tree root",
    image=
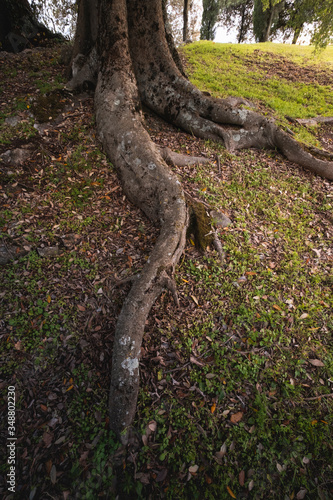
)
(315, 121)
(164, 90)
(136, 66)
(179, 160)
(148, 182)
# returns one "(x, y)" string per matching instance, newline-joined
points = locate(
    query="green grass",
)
(237, 70)
(251, 324)
(259, 320)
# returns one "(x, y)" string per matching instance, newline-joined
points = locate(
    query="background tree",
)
(185, 20)
(322, 17)
(175, 16)
(60, 15)
(237, 14)
(211, 9)
(265, 14)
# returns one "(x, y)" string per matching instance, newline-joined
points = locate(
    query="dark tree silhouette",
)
(19, 27)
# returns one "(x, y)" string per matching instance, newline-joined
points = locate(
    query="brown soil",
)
(282, 67)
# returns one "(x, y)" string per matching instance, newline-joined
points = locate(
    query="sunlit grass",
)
(257, 72)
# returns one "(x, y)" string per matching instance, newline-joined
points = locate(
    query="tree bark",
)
(135, 67)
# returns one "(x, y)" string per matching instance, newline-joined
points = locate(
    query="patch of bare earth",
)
(282, 67)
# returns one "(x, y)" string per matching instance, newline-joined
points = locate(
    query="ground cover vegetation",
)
(236, 383)
(283, 81)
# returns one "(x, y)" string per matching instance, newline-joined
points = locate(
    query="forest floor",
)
(237, 383)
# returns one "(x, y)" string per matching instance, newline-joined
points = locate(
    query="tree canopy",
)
(268, 19)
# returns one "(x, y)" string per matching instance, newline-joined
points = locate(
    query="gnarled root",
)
(150, 185)
(163, 89)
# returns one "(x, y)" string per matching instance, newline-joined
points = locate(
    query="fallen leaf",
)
(279, 468)
(241, 478)
(193, 469)
(47, 438)
(236, 417)
(60, 440)
(49, 298)
(316, 362)
(81, 308)
(196, 361)
(53, 474)
(152, 426)
(278, 308)
(231, 493)
(83, 456)
(303, 316)
(48, 466)
(195, 300)
(213, 408)
(301, 494)
(161, 476)
(18, 345)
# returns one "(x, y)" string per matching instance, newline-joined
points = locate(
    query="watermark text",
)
(11, 440)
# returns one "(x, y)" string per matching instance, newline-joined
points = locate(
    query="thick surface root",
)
(149, 184)
(135, 66)
(163, 89)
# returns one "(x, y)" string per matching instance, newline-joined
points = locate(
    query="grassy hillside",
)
(236, 384)
(282, 80)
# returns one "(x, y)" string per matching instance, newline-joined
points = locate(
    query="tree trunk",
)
(297, 33)
(240, 37)
(136, 66)
(267, 33)
(19, 28)
(185, 21)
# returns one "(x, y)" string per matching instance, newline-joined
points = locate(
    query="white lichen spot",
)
(243, 114)
(187, 116)
(137, 162)
(117, 102)
(236, 137)
(130, 364)
(125, 340)
(151, 166)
